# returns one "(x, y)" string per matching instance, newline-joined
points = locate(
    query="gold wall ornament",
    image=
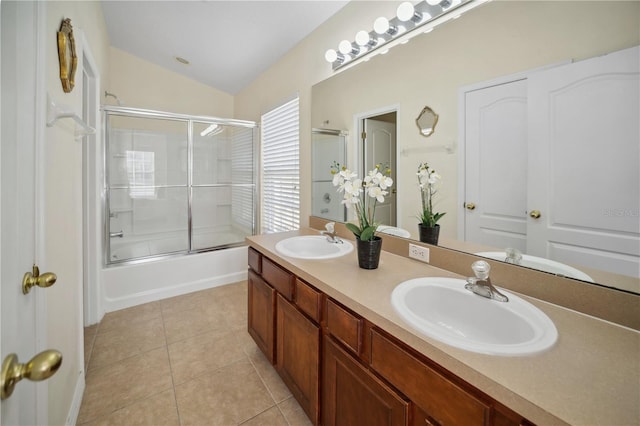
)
(67, 55)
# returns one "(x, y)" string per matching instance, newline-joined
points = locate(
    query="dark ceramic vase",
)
(369, 253)
(429, 234)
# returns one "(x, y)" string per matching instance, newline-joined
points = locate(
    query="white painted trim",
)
(91, 197)
(40, 112)
(76, 402)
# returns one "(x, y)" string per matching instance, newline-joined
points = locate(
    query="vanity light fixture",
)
(389, 32)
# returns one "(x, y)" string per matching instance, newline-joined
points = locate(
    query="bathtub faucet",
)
(118, 234)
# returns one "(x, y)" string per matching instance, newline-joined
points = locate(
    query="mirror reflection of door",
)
(496, 165)
(379, 147)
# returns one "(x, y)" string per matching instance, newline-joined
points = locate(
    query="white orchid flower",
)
(377, 193)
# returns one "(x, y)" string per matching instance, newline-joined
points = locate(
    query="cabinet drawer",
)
(344, 326)
(255, 260)
(278, 278)
(443, 401)
(309, 300)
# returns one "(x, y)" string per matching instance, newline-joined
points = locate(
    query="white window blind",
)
(281, 168)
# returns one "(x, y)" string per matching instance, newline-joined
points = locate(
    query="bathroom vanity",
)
(330, 331)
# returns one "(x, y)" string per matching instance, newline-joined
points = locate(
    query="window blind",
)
(281, 168)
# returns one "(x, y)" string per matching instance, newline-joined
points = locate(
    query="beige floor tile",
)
(118, 344)
(228, 396)
(203, 354)
(120, 384)
(293, 412)
(157, 410)
(198, 320)
(278, 390)
(121, 320)
(271, 417)
(185, 302)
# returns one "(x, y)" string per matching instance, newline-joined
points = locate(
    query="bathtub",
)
(129, 284)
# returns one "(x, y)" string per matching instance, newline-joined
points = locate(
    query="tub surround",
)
(590, 376)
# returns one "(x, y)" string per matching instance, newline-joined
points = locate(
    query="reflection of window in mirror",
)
(427, 121)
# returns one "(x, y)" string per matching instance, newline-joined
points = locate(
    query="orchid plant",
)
(429, 181)
(363, 195)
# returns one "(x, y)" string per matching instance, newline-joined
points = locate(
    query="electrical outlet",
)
(419, 252)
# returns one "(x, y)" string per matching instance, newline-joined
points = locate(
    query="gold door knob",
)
(470, 206)
(32, 279)
(535, 214)
(40, 367)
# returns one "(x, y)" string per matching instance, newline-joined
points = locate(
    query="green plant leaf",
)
(367, 233)
(353, 228)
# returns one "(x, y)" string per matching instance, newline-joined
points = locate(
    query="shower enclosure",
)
(176, 184)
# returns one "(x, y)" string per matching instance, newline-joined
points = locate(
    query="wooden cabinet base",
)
(298, 356)
(353, 396)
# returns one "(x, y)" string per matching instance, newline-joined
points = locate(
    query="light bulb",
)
(331, 55)
(406, 12)
(345, 47)
(434, 2)
(381, 25)
(362, 38)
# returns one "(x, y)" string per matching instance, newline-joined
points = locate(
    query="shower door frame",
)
(189, 120)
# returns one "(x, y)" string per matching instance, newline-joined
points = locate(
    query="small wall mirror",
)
(427, 121)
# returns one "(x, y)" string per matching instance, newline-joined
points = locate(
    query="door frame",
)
(357, 150)
(92, 200)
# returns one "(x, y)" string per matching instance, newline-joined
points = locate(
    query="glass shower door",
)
(147, 187)
(222, 197)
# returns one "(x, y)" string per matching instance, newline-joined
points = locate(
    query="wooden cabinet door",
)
(298, 356)
(353, 396)
(261, 323)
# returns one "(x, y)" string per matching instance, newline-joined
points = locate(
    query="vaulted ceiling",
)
(227, 43)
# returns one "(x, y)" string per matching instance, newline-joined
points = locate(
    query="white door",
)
(20, 323)
(588, 198)
(496, 165)
(380, 148)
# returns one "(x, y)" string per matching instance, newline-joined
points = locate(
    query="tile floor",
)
(187, 360)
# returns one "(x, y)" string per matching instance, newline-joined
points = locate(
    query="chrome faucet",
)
(331, 234)
(481, 283)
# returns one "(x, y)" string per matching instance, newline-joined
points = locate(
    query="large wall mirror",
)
(496, 40)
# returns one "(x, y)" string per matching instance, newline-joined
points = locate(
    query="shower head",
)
(108, 94)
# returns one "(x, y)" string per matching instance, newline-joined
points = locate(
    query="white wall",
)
(142, 84)
(63, 207)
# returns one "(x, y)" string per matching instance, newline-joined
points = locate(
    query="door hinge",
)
(364, 136)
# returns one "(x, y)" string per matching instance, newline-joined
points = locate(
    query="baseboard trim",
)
(76, 402)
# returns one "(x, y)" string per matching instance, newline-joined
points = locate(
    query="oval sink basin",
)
(393, 230)
(541, 264)
(443, 309)
(312, 247)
